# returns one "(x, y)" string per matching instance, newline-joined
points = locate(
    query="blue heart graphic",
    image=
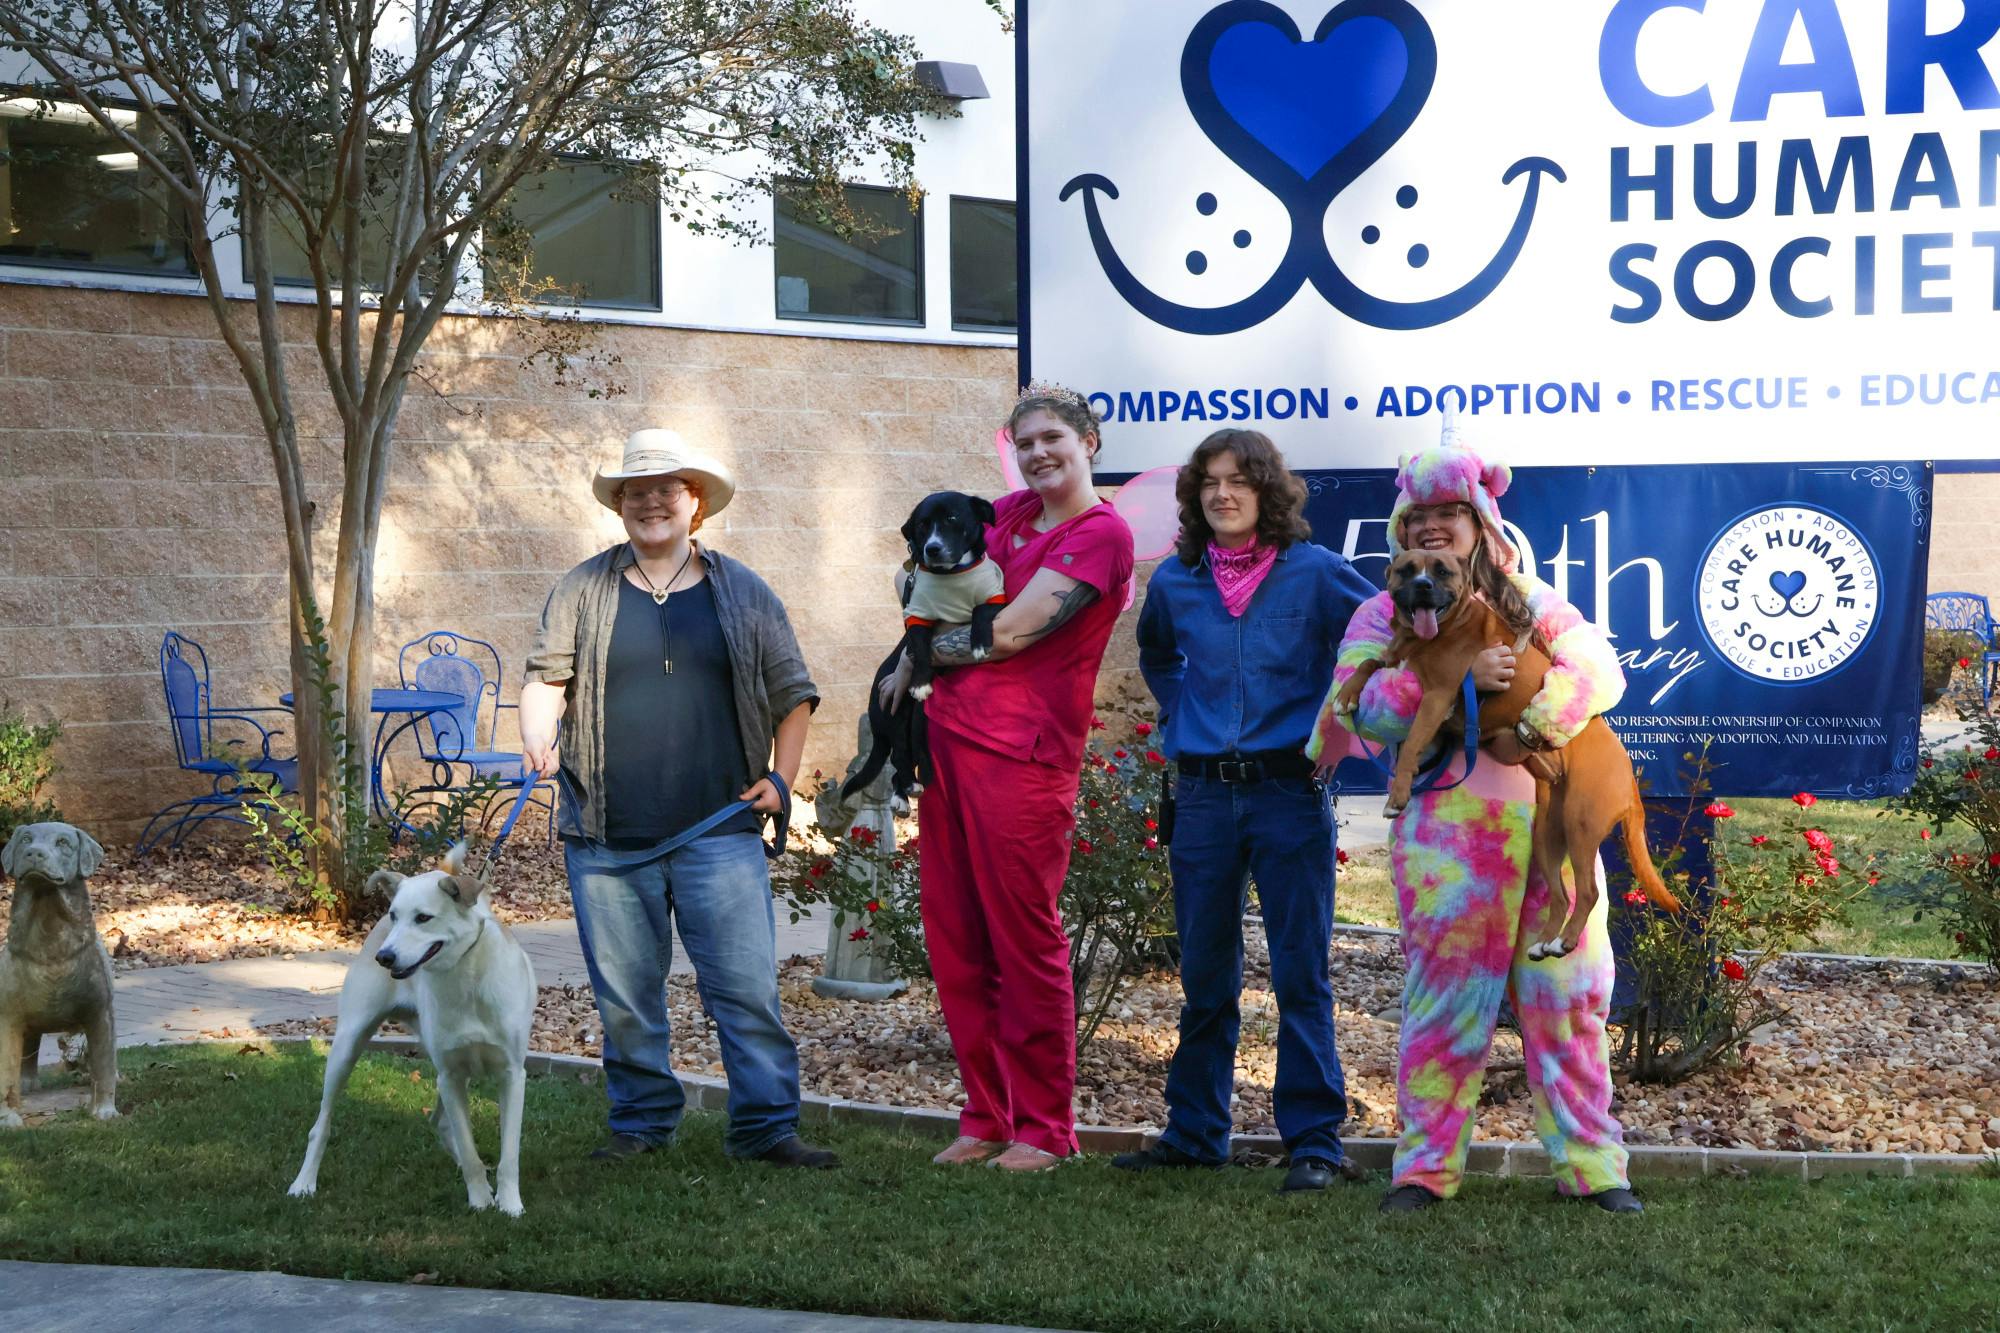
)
(1789, 585)
(1305, 101)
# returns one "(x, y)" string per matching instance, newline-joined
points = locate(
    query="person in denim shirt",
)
(1237, 643)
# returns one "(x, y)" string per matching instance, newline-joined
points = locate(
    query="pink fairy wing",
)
(1147, 505)
(1010, 470)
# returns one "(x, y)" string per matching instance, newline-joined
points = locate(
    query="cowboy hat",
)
(656, 452)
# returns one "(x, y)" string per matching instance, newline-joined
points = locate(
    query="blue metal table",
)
(389, 703)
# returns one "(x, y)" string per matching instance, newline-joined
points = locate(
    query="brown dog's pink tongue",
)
(1425, 622)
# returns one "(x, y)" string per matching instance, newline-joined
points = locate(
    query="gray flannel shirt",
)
(574, 643)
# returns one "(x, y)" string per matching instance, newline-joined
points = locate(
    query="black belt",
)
(1255, 767)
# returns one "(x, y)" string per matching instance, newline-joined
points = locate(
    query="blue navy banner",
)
(1769, 613)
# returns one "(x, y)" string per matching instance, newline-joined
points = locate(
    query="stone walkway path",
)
(91, 1298)
(159, 1004)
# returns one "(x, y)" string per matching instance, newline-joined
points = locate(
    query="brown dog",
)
(1581, 790)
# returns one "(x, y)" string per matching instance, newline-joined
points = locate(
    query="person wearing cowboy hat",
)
(682, 693)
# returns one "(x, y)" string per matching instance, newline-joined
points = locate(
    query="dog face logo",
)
(1425, 585)
(1788, 594)
(429, 914)
(1305, 119)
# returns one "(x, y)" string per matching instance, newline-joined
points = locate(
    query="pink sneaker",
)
(1025, 1157)
(965, 1150)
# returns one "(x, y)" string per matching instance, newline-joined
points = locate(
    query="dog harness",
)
(1428, 776)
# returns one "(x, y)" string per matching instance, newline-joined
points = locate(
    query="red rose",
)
(1093, 803)
(1817, 840)
(1155, 757)
(1828, 864)
(820, 868)
(1874, 878)
(1717, 810)
(1117, 754)
(1152, 824)
(1096, 722)
(1993, 860)
(1340, 856)
(1635, 898)
(862, 834)
(1805, 799)
(1992, 754)
(1927, 761)
(1152, 844)
(1733, 969)
(1725, 902)
(1143, 729)
(1965, 661)
(874, 905)
(858, 933)
(910, 846)
(1924, 833)
(1083, 846)
(1759, 840)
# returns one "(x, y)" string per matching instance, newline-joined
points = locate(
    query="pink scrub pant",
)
(994, 846)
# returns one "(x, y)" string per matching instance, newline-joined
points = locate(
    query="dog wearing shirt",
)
(952, 582)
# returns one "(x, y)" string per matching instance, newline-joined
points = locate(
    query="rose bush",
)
(1695, 972)
(1957, 786)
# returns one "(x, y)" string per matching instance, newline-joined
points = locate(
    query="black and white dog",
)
(952, 581)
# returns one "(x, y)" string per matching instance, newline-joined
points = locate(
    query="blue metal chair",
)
(192, 715)
(1968, 613)
(449, 739)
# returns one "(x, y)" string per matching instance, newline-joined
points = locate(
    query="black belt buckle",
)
(1240, 770)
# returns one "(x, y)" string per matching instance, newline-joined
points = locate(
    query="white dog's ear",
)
(7, 852)
(383, 882)
(463, 889)
(89, 855)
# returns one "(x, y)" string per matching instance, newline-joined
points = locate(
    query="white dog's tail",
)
(454, 860)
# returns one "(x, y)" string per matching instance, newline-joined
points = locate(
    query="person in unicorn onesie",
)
(1459, 858)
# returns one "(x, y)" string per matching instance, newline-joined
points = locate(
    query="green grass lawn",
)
(196, 1173)
(1878, 926)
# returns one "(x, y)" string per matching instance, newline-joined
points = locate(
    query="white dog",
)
(440, 956)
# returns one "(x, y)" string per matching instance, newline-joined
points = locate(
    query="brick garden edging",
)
(708, 1093)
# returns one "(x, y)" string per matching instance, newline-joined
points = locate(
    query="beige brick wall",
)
(139, 498)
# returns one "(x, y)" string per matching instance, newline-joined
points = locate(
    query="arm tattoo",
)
(952, 645)
(1067, 605)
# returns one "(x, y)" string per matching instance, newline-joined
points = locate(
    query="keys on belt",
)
(1245, 768)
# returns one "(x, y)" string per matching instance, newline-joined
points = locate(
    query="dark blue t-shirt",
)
(672, 752)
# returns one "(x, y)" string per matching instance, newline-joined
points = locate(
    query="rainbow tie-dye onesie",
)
(1460, 863)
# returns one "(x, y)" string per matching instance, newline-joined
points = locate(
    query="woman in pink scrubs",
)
(1007, 740)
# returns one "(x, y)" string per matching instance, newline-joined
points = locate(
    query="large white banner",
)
(1632, 232)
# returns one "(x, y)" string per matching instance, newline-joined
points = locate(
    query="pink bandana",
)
(1238, 572)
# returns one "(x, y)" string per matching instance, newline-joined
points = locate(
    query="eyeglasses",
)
(1442, 515)
(669, 491)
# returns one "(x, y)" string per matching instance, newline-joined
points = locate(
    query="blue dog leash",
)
(772, 850)
(1427, 777)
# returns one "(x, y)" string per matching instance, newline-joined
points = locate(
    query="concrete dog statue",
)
(952, 581)
(54, 973)
(440, 957)
(1581, 790)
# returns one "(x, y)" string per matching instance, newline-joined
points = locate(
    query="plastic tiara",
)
(1050, 390)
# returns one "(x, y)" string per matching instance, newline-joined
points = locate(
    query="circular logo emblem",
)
(1787, 594)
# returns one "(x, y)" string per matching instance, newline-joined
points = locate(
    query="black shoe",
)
(622, 1146)
(1162, 1155)
(1316, 1173)
(1408, 1199)
(795, 1151)
(1619, 1200)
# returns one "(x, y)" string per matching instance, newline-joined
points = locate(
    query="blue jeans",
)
(718, 890)
(1281, 832)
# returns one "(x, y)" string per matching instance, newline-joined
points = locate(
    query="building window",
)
(579, 233)
(71, 196)
(873, 277)
(376, 215)
(985, 280)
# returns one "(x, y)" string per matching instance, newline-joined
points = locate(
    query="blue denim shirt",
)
(1229, 684)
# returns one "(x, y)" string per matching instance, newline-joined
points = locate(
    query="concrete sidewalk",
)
(91, 1298)
(157, 1004)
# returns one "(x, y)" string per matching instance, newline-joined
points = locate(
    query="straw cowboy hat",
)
(662, 453)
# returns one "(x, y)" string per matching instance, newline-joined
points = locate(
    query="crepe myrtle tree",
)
(379, 142)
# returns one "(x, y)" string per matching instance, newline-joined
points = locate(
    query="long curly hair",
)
(1281, 496)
